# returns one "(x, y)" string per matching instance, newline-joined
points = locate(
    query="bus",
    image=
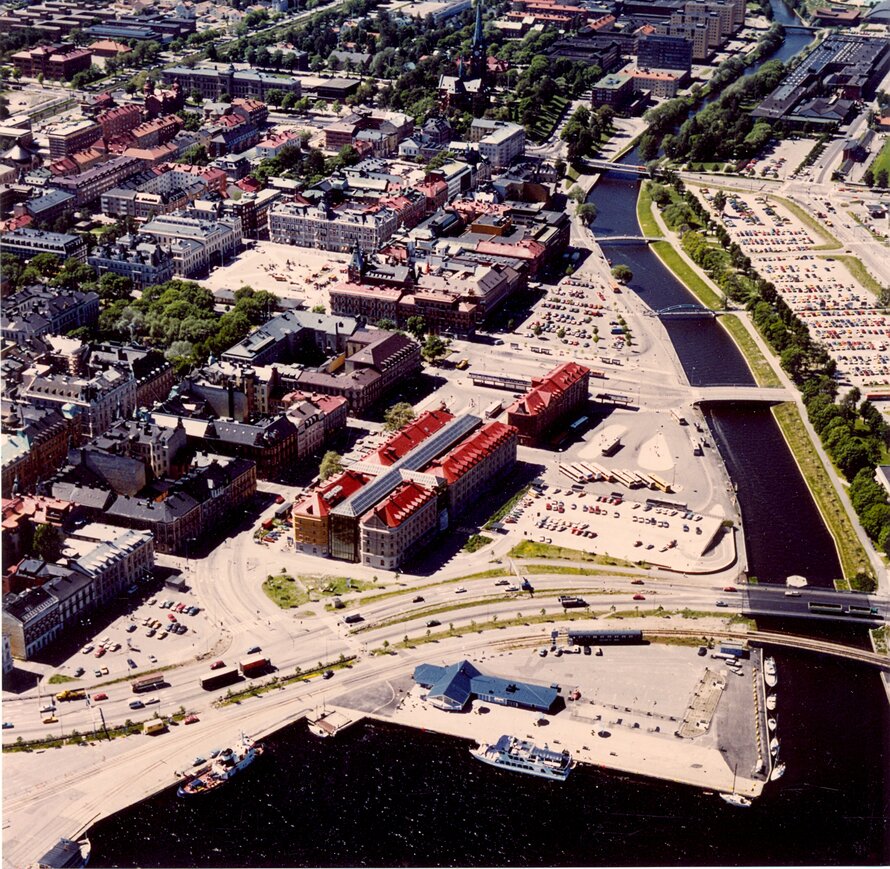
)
(494, 409)
(592, 475)
(603, 472)
(828, 608)
(155, 726)
(679, 417)
(219, 678)
(148, 683)
(571, 473)
(660, 484)
(578, 424)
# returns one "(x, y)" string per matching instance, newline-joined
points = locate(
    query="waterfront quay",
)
(62, 792)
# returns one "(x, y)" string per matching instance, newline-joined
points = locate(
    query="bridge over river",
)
(815, 604)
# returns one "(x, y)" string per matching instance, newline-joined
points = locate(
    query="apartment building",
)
(325, 228)
(26, 242)
(196, 244)
(213, 80)
(41, 310)
(90, 185)
(500, 142)
(65, 139)
(139, 258)
(58, 62)
(551, 398)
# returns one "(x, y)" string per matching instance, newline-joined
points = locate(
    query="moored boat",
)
(224, 767)
(521, 756)
(778, 772)
(735, 799)
(771, 723)
(771, 702)
(769, 672)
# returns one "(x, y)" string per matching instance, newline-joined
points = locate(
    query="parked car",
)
(100, 652)
(253, 650)
(7, 725)
(87, 649)
(131, 663)
(131, 628)
(79, 671)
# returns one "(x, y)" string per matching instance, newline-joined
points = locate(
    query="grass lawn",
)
(476, 542)
(757, 362)
(60, 679)
(531, 549)
(882, 161)
(859, 271)
(284, 591)
(548, 118)
(852, 556)
(810, 221)
(693, 281)
(644, 212)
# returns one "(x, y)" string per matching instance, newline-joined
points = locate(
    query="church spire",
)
(478, 35)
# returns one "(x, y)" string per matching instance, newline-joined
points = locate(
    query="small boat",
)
(771, 723)
(769, 672)
(771, 702)
(774, 745)
(778, 772)
(522, 756)
(223, 768)
(735, 799)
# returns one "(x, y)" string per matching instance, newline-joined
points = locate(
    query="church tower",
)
(479, 52)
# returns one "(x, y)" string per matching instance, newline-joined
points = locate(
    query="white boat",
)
(771, 702)
(771, 723)
(735, 799)
(522, 756)
(769, 672)
(778, 772)
(774, 745)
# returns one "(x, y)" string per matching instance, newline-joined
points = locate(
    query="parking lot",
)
(841, 313)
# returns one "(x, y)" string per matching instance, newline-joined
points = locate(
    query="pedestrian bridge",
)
(725, 394)
(627, 239)
(686, 312)
(608, 166)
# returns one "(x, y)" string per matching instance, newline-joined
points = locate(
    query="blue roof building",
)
(451, 688)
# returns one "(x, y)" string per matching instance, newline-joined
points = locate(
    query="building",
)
(65, 139)
(26, 242)
(214, 80)
(550, 399)
(40, 310)
(59, 62)
(661, 83)
(139, 258)
(325, 228)
(196, 244)
(88, 186)
(500, 142)
(451, 688)
(613, 90)
(47, 208)
(664, 52)
(821, 90)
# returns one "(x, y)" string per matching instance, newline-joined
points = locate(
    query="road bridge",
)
(686, 312)
(740, 392)
(814, 604)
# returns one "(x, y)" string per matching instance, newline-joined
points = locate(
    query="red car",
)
(100, 696)
(191, 719)
(171, 617)
(639, 597)
(217, 664)
(100, 652)
(279, 499)
(730, 588)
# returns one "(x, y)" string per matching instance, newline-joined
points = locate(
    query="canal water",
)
(378, 795)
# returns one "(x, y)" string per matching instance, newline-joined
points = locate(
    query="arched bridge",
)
(686, 312)
(627, 239)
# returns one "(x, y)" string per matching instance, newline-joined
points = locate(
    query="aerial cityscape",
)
(445, 432)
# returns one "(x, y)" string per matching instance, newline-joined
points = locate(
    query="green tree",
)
(398, 416)
(318, 309)
(48, 542)
(622, 273)
(881, 179)
(113, 288)
(868, 177)
(434, 349)
(331, 465)
(416, 326)
(587, 211)
(196, 155)
(385, 323)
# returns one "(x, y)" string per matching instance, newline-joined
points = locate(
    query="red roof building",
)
(409, 437)
(311, 514)
(404, 519)
(550, 398)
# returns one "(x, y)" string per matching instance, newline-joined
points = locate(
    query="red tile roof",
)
(545, 390)
(403, 503)
(408, 437)
(470, 452)
(318, 504)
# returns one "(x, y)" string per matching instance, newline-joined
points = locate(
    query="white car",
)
(460, 590)
(87, 649)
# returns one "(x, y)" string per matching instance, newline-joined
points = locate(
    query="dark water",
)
(383, 796)
(769, 493)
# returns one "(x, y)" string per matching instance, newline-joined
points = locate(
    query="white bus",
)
(494, 409)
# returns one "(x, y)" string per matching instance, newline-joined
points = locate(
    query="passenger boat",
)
(223, 768)
(769, 672)
(778, 772)
(521, 756)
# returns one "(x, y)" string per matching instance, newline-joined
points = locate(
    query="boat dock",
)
(329, 722)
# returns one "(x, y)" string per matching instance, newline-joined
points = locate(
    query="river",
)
(384, 796)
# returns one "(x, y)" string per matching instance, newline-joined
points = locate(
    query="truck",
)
(71, 694)
(257, 664)
(148, 683)
(569, 601)
(155, 726)
(219, 678)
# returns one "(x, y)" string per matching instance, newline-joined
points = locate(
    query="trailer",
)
(219, 679)
(148, 683)
(250, 666)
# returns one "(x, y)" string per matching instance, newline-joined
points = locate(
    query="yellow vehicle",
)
(156, 726)
(50, 719)
(71, 694)
(462, 365)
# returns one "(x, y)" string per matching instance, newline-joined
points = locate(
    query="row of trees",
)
(875, 180)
